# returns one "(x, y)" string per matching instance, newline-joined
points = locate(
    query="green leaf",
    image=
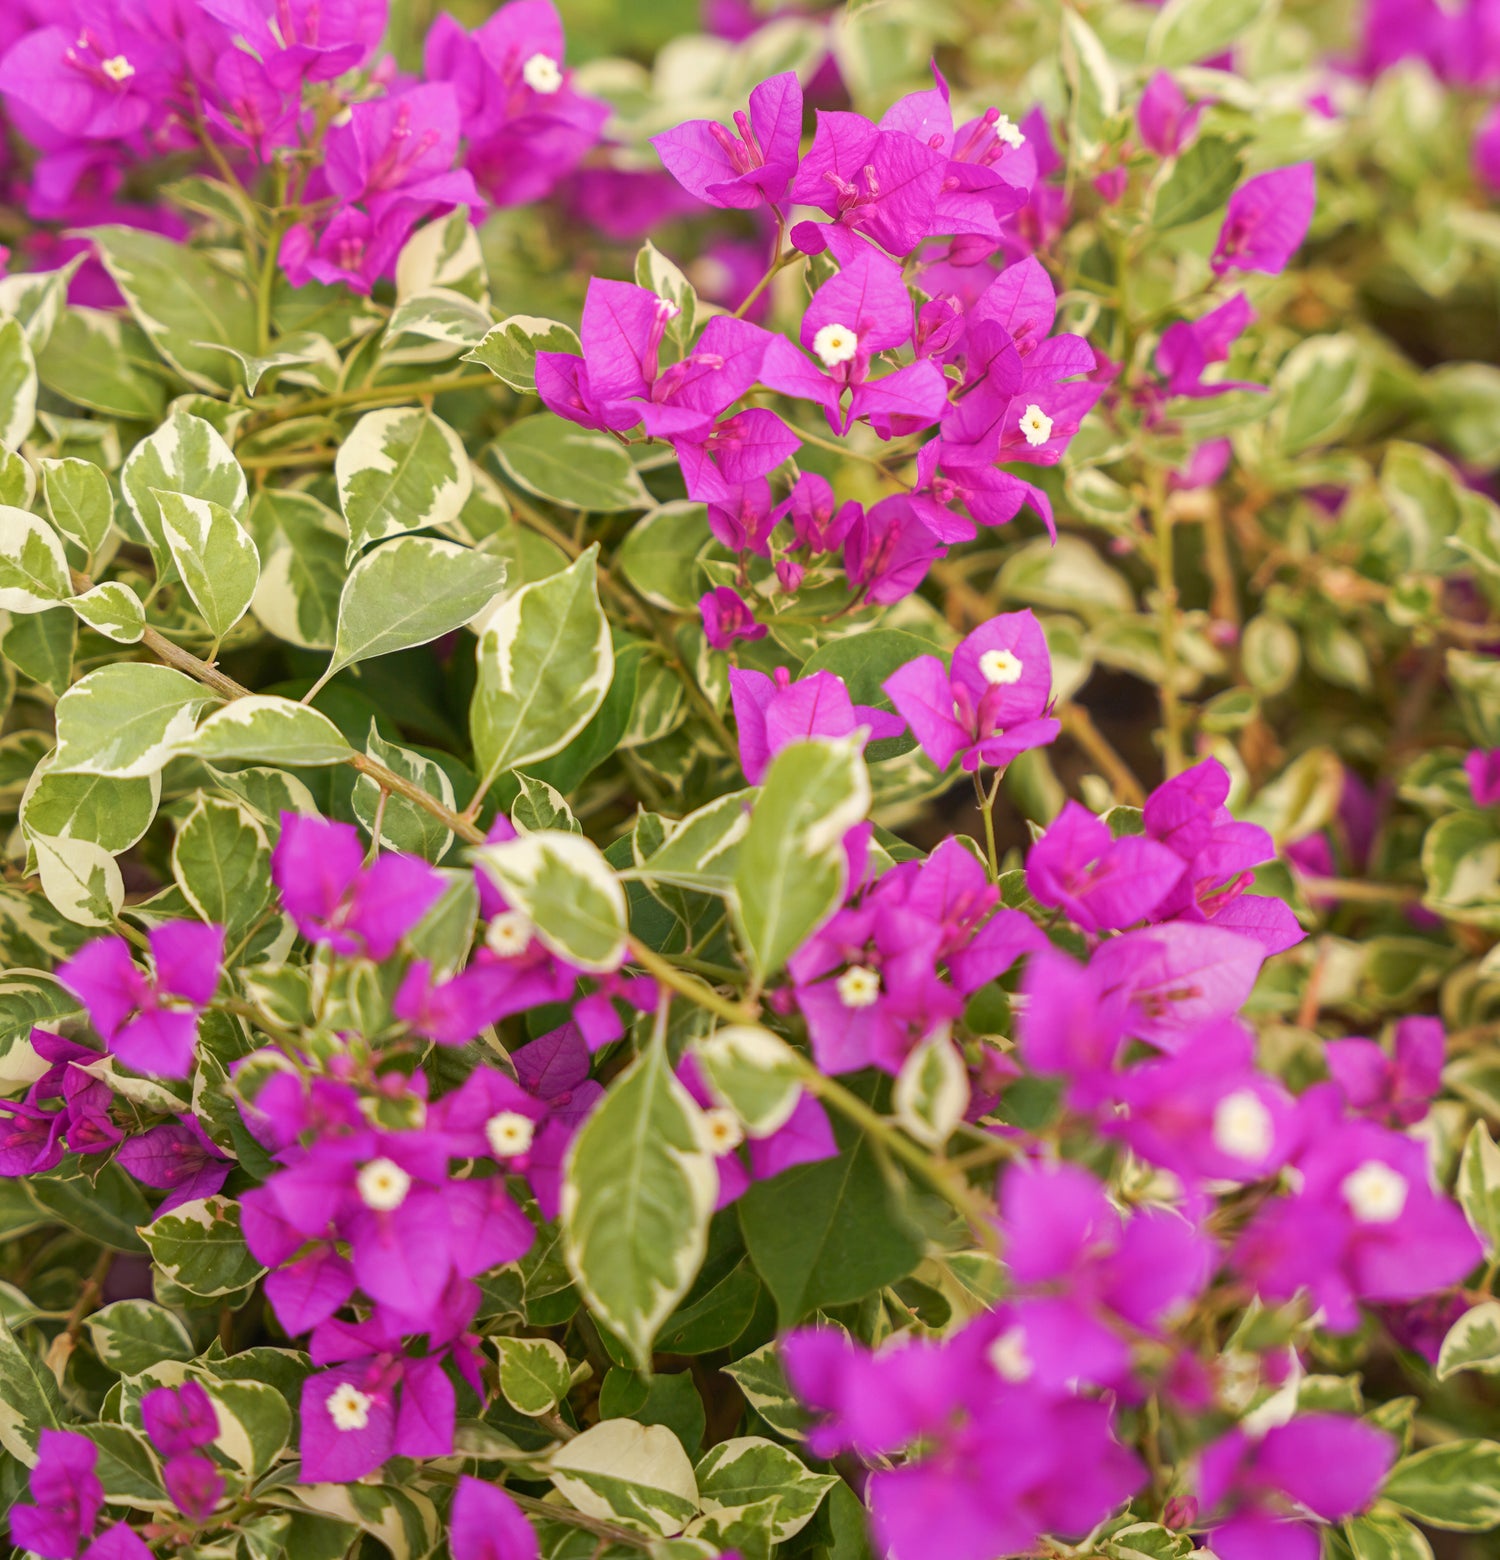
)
(747, 1469)
(1187, 32)
(133, 1335)
(636, 1475)
(1381, 1535)
(790, 874)
(1473, 1342)
(41, 646)
(562, 884)
(763, 1383)
(183, 302)
(33, 567)
(185, 455)
(534, 1374)
(541, 806)
(1322, 384)
(702, 850)
(400, 469)
(17, 480)
(403, 824)
(638, 1190)
(126, 719)
(755, 1074)
(17, 383)
(127, 1466)
(112, 609)
(81, 880)
(662, 554)
(108, 1207)
(221, 860)
(410, 592)
(301, 543)
(509, 349)
(864, 660)
(1202, 180)
(827, 1234)
(1479, 1186)
(103, 361)
(108, 812)
(932, 1090)
(545, 664)
(443, 316)
(1454, 1485)
(29, 1399)
(578, 468)
(1461, 861)
(199, 1247)
(214, 555)
(657, 274)
(267, 729)
(1269, 653)
(1093, 87)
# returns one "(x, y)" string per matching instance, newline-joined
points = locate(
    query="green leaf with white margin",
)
(545, 662)
(1473, 1342)
(185, 455)
(106, 811)
(81, 880)
(442, 316)
(657, 274)
(633, 1474)
(638, 1191)
(754, 1073)
(33, 567)
(1382, 1535)
(410, 592)
(29, 1399)
(702, 850)
(198, 1245)
(127, 719)
(1454, 1485)
(263, 728)
(37, 299)
(221, 860)
(400, 469)
(214, 555)
(1187, 32)
(185, 303)
(1201, 180)
(17, 480)
(112, 609)
(747, 1469)
(403, 824)
(29, 998)
(790, 876)
(509, 349)
(563, 885)
(302, 543)
(661, 555)
(445, 253)
(541, 806)
(17, 383)
(535, 1374)
(130, 1336)
(1479, 1186)
(1093, 86)
(1321, 385)
(932, 1090)
(104, 362)
(578, 468)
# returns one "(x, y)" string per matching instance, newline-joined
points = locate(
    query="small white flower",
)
(1242, 1127)
(509, 1132)
(117, 68)
(858, 987)
(835, 344)
(383, 1185)
(1036, 425)
(508, 934)
(1000, 668)
(724, 1131)
(1010, 1357)
(541, 74)
(1008, 131)
(1376, 1194)
(348, 1407)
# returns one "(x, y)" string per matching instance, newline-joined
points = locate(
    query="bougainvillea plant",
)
(750, 775)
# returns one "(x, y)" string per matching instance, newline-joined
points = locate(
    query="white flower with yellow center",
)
(724, 1130)
(1000, 668)
(835, 344)
(508, 934)
(382, 1185)
(1375, 1193)
(348, 1407)
(508, 1132)
(541, 74)
(1036, 425)
(1007, 130)
(117, 68)
(1010, 1357)
(1242, 1126)
(858, 987)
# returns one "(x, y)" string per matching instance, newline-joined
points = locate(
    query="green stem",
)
(362, 395)
(689, 986)
(986, 801)
(1166, 608)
